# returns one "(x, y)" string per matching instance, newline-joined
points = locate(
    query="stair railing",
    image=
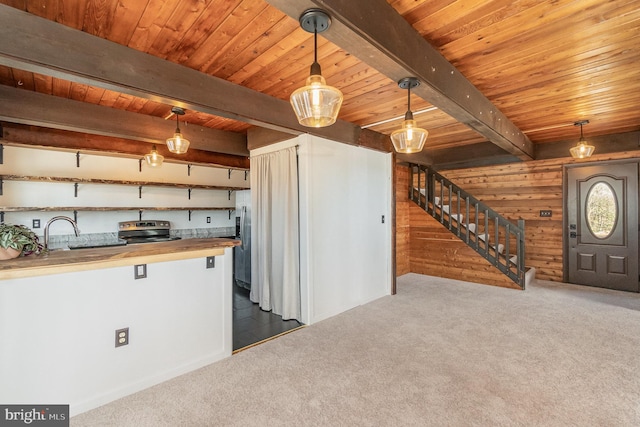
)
(500, 241)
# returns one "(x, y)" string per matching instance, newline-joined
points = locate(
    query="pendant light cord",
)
(315, 67)
(315, 41)
(408, 115)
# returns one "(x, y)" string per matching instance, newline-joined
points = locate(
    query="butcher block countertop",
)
(66, 261)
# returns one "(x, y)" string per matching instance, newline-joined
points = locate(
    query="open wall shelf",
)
(139, 184)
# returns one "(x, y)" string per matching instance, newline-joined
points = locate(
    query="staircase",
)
(488, 233)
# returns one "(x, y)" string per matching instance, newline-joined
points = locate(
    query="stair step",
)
(472, 228)
(458, 218)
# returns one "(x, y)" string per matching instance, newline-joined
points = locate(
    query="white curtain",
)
(275, 261)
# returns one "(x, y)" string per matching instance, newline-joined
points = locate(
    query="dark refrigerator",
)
(242, 253)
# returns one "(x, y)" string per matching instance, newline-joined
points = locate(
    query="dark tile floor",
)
(251, 324)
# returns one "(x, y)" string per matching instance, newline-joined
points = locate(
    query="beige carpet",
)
(440, 353)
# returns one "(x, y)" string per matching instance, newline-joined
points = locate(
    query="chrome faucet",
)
(55, 218)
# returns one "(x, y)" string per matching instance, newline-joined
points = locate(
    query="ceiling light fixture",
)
(409, 139)
(582, 150)
(316, 104)
(177, 143)
(154, 159)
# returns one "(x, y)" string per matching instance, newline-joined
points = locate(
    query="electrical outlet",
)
(122, 337)
(208, 220)
(545, 213)
(211, 262)
(35, 223)
(140, 271)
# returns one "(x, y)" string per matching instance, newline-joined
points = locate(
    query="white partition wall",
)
(58, 332)
(345, 192)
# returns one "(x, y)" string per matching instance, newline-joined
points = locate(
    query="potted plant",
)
(16, 240)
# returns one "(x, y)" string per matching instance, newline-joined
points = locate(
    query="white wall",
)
(345, 247)
(41, 162)
(57, 333)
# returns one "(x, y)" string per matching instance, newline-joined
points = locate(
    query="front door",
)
(602, 225)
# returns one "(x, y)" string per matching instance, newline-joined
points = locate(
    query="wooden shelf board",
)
(116, 182)
(110, 208)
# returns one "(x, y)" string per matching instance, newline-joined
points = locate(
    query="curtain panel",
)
(275, 261)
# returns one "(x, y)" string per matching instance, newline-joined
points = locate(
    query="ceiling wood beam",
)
(23, 135)
(32, 108)
(35, 44)
(374, 32)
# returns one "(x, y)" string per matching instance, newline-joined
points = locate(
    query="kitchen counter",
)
(65, 261)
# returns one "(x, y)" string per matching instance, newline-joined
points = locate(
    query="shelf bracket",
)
(1, 149)
(140, 165)
(75, 190)
(1, 183)
(230, 210)
(229, 173)
(75, 216)
(140, 192)
(77, 159)
(189, 170)
(189, 193)
(2, 217)
(245, 175)
(140, 215)
(230, 191)
(189, 215)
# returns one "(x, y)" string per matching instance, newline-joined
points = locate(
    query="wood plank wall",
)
(516, 191)
(403, 206)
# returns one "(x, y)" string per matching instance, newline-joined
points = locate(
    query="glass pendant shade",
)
(154, 159)
(410, 138)
(316, 104)
(178, 144)
(582, 150)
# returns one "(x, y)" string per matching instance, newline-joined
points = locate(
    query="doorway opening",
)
(251, 325)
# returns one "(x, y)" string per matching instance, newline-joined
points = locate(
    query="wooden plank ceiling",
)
(543, 64)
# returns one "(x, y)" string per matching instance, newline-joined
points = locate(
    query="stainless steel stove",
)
(145, 231)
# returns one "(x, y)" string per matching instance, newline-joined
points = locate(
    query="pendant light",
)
(178, 144)
(582, 150)
(154, 159)
(316, 104)
(410, 138)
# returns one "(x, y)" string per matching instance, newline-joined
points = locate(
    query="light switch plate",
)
(545, 213)
(140, 271)
(211, 262)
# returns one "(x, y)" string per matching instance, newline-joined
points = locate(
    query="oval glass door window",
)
(602, 210)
